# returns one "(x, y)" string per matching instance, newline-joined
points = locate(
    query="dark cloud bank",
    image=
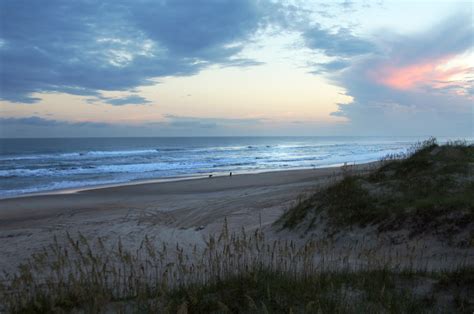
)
(80, 47)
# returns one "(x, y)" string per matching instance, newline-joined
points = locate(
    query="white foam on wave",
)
(103, 169)
(56, 186)
(81, 154)
(121, 153)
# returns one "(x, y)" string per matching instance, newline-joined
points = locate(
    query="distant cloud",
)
(207, 123)
(41, 122)
(85, 47)
(129, 100)
(35, 126)
(190, 123)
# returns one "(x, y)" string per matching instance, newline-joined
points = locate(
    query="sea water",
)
(38, 165)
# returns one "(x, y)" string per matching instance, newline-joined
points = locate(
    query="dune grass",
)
(233, 273)
(428, 189)
(376, 291)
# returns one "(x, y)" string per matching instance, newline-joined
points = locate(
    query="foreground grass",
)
(233, 273)
(377, 291)
(428, 190)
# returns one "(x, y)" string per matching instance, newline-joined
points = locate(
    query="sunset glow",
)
(440, 73)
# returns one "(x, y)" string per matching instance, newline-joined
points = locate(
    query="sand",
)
(181, 211)
(184, 212)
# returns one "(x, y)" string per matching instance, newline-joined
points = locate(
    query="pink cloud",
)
(435, 73)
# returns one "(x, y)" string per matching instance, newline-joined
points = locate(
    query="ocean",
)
(38, 165)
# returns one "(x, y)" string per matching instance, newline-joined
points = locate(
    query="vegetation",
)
(428, 190)
(377, 291)
(233, 273)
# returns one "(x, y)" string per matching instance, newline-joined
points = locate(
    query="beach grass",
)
(429, 189)
(234, 273)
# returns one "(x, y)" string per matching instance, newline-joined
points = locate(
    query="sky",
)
(236, 68)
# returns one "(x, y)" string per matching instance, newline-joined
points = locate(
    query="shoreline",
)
(185, 177)
(142, 196)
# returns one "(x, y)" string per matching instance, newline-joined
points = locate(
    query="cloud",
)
(340, 44)
(85, 47)
(129, 100)
(41, 122)
(207, 123)
(346, 4)
(411, 84)
(190, 123)
(36, 126)
(330, 67)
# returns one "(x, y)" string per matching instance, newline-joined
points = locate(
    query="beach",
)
(182, 212)
(187, 212)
